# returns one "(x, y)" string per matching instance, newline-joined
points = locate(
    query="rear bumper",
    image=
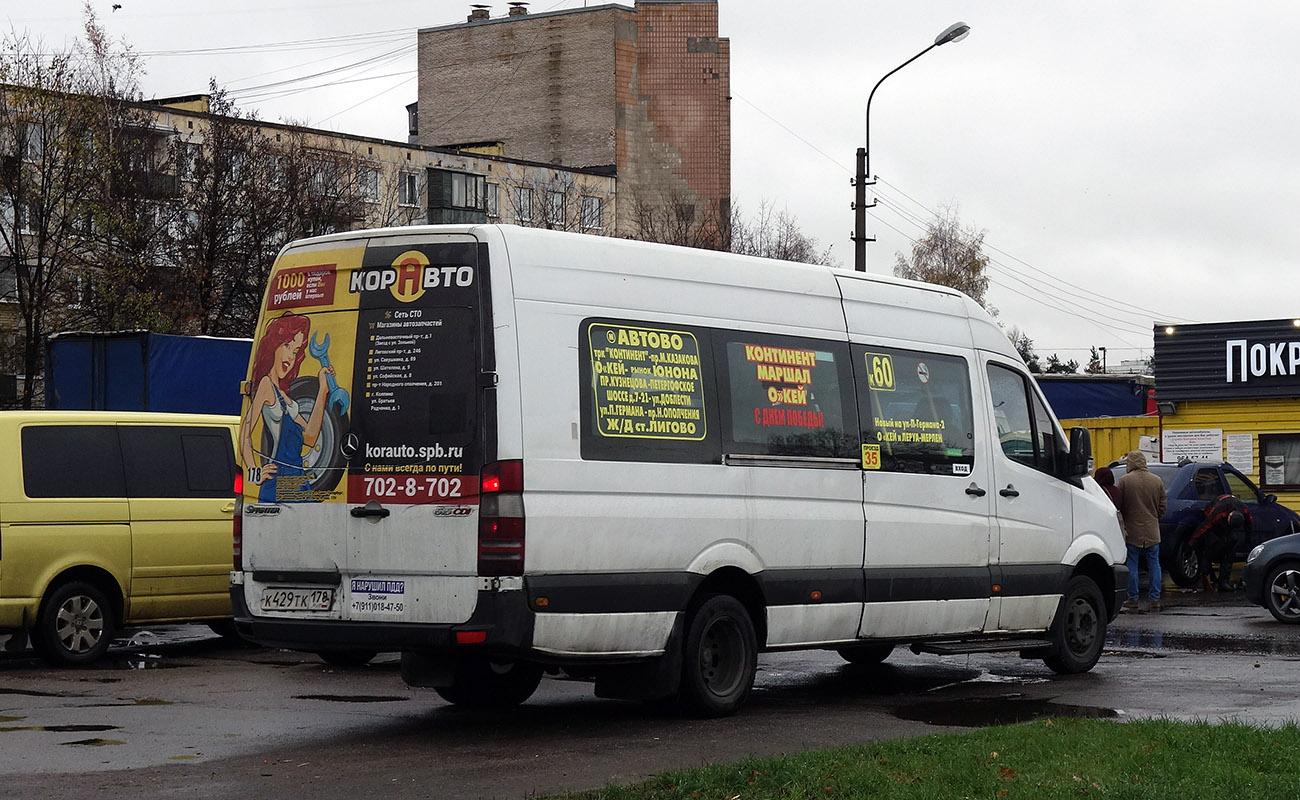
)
(503, 618)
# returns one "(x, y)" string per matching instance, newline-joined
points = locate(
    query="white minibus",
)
(505, 451)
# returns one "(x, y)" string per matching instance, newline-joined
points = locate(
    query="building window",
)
(24, 218)
(555, 209)
(593, 213)
(524, 204)
(324, 179)
(467, 191)
(33, 142)
(279, 172)
(368, 183)
(187, 159)
(408, 189)
(1279, 461)
(493, 199)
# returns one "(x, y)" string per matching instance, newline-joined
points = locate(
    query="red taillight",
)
(501, 519)
(238, 524)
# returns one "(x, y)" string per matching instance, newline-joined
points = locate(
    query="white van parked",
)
(503, 450)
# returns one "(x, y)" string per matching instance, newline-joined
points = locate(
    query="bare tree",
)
(1025, 347)
(775, 234)
(58, 112)
(676, 219)
(950, 255)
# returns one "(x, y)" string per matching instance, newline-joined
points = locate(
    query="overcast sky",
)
(1130, 162)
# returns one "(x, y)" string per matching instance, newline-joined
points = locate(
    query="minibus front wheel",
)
(1079, 631)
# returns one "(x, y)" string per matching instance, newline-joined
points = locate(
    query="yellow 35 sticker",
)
(871, 456)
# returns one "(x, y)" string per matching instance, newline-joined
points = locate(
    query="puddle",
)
(29, 693)
(979, 712)
(95, 742)
(1196, 643)
(351, 698)
(62, 728)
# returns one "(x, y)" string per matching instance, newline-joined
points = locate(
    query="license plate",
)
(293, 599)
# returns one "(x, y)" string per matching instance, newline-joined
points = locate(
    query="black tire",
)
(487, 683)
(719, 658)
(1183, 564)
(74, 626)
(1282, 592)
(347, 659)
(865, 654)
(1078, 632)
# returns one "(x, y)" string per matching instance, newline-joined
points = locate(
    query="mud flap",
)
(651, 679)
(428, 670)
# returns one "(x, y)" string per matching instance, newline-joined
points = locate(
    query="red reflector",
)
(471, 637)
(239, 483)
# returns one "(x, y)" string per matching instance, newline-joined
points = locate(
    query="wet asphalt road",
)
(183, 714)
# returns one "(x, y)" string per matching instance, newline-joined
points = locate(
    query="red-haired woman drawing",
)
(280, 353)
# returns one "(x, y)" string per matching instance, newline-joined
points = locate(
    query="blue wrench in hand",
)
(338, 396)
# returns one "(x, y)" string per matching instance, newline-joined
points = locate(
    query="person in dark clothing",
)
(1227, 519)
(1106, 480)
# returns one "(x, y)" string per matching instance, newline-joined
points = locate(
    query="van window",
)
(72, 461)
(916, 411)
(1025, 428)
(167, 461)
(648, 392)
(786, 396)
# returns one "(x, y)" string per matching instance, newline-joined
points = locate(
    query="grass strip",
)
(1043, 759)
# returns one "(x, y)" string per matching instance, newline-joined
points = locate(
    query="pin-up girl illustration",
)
(280, 354)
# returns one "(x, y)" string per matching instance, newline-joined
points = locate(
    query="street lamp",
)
(953, 33)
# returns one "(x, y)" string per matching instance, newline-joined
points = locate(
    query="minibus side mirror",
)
(1076, 463)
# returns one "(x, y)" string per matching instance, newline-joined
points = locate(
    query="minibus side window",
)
(1025, 428)
(916, 411)
(786, 396)
(648, 392)
(72, 461)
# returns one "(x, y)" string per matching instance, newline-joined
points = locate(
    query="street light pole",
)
(953, 33)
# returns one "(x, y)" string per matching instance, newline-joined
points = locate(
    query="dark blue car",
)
(1193, 485)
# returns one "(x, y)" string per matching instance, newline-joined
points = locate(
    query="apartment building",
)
(641, 92)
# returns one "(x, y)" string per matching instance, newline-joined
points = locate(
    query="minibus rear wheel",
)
(1079, 630)
(482, 682)
(74, 626)
(865, 654)
(719, 659)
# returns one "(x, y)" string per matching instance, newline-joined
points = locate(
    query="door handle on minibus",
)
(228, 509)
(1010, 491)
(975, 491)
(371, 509)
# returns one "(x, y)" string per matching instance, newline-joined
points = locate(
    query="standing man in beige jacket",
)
(1142, 506)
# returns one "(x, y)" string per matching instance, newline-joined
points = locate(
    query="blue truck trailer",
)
(142, 371)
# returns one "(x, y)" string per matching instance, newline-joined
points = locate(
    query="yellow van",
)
(111, 519)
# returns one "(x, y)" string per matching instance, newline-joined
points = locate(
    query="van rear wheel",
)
(74, 626)
(719, 659)
(865, 654)
(1079, 630)
(482, 682)
(347, 659)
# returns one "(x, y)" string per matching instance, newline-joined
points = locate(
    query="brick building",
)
(641, 91)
